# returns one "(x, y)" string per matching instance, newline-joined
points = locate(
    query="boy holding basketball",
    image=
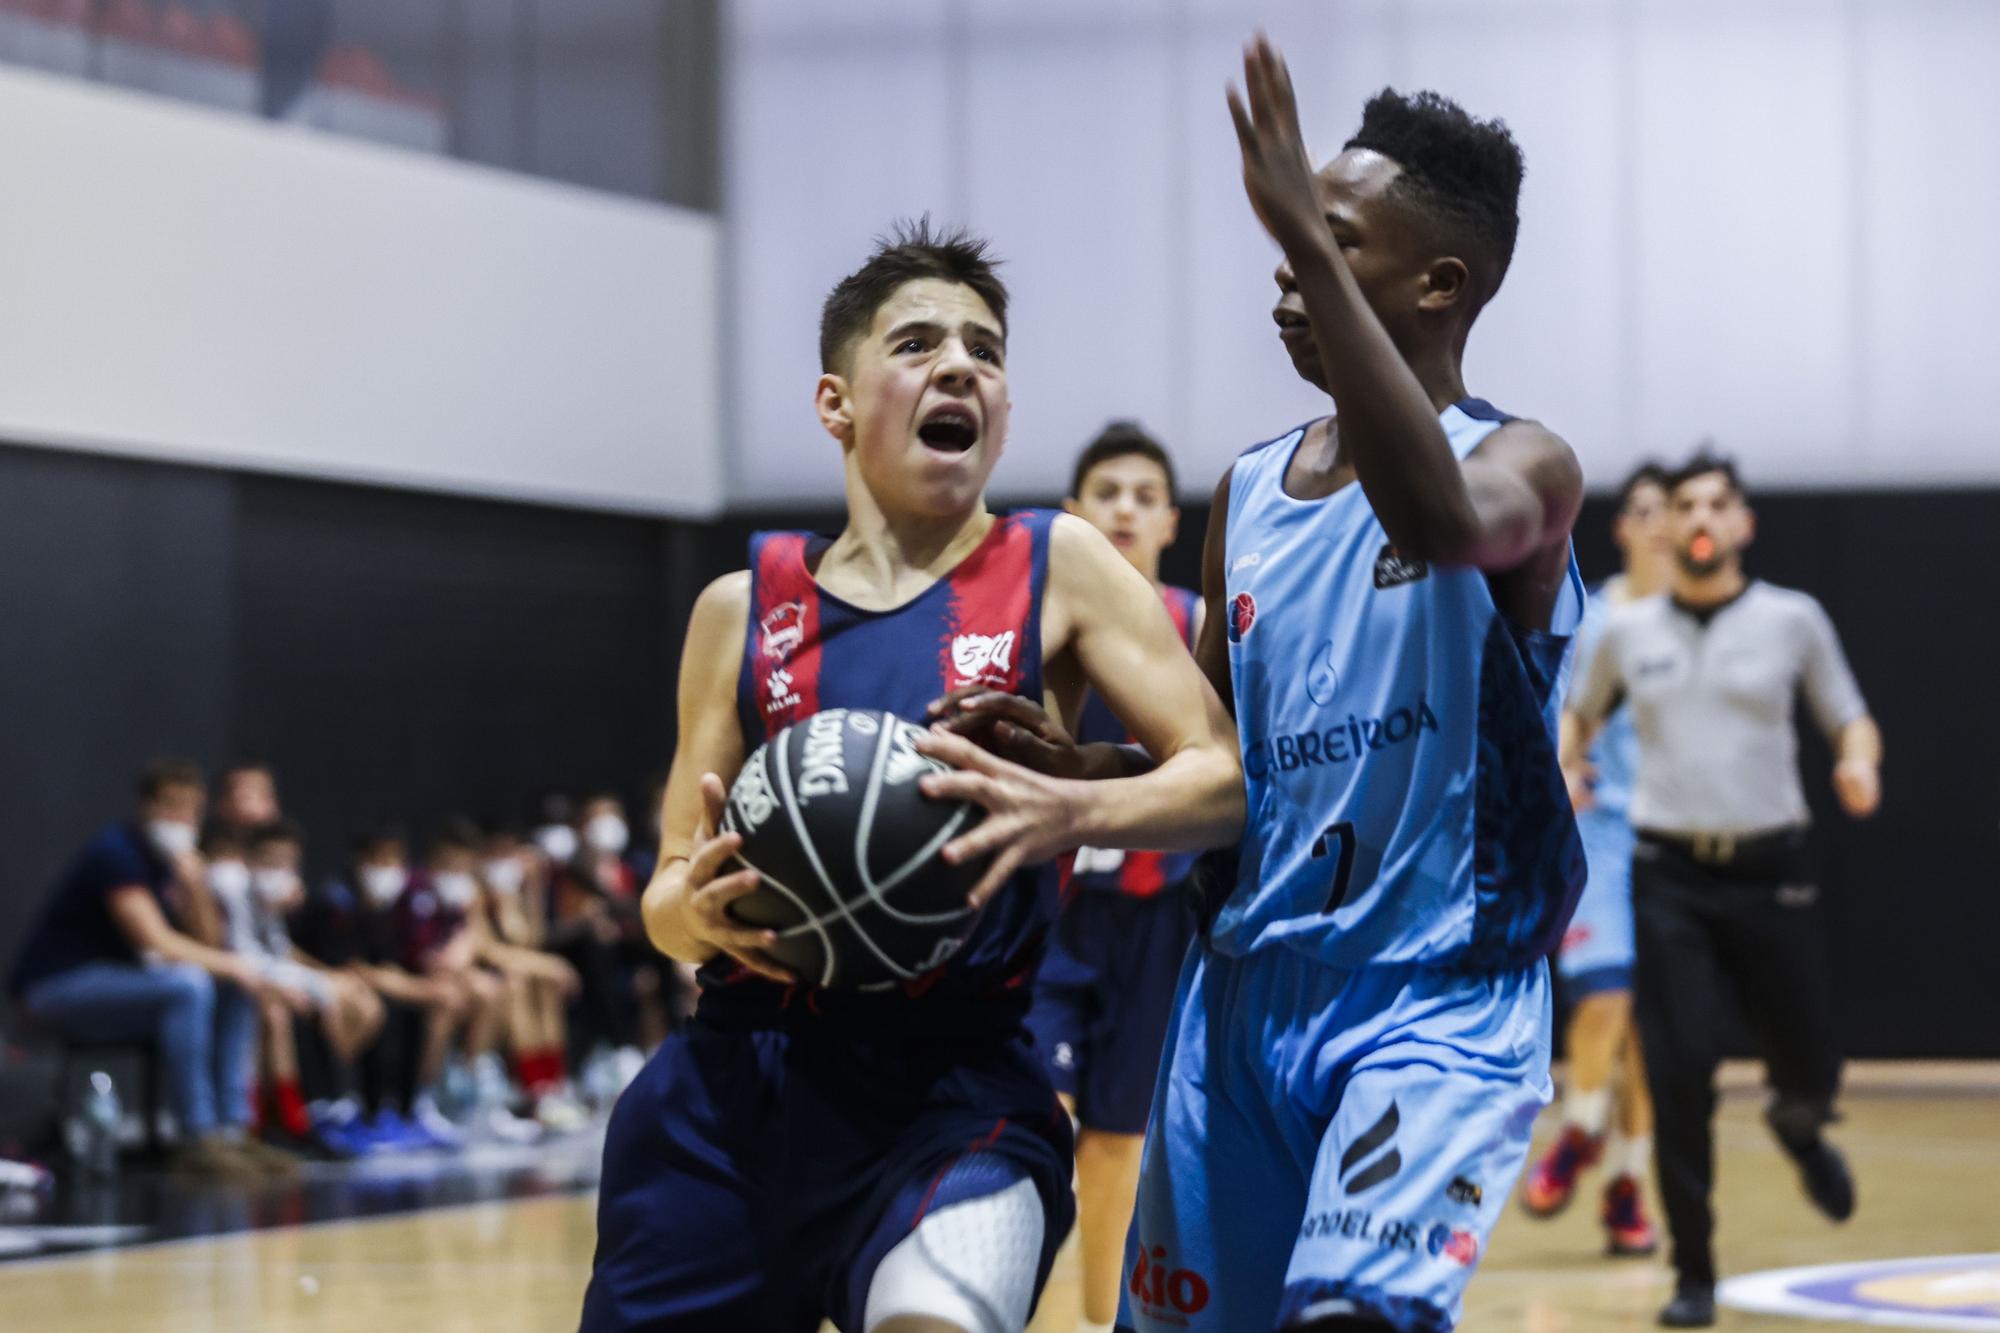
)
(895, 1161)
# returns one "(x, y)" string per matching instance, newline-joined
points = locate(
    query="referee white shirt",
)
(1712, 691)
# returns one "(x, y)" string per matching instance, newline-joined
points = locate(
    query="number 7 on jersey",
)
(1323, 846)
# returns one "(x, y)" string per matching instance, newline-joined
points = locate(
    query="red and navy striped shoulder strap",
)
(782, 640)
(1181, 604)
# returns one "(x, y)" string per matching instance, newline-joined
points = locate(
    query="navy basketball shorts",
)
(1104, 998)
(755, 1179)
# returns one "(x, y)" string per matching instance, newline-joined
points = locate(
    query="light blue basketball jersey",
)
(1398, 736)
(1615, 752)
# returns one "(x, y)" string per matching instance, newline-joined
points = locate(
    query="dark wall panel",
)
(402, 655)
(113, 604)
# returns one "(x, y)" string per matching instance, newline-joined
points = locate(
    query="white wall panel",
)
(188, 284)
(1756, 220)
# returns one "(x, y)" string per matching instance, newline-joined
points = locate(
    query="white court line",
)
(1772, 1293)
(107, 1253)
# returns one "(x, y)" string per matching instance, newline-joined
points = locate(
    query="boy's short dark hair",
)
(276, 830)
(162, 774)
(1701, 463)
(1462, 174)
(1652, 472)
(1116, 440)
(911, 251)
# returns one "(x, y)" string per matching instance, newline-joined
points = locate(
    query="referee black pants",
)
(1751, 929)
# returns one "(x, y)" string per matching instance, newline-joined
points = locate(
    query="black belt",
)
(1721, 849)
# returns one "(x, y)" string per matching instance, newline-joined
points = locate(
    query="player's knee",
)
(969, 1266)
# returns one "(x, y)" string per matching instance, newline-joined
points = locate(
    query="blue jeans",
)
(206, 1032)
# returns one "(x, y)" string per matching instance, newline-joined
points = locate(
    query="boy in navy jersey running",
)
(896, 1162)
(1102, 1001)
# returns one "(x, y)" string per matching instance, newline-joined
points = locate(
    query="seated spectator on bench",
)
(351, 925)
(346, 1008)
(442, 946)
(539, 984)
(104, 962)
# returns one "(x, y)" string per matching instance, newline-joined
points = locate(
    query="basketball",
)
(848, 847)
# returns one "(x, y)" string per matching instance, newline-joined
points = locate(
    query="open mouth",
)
(950, 429)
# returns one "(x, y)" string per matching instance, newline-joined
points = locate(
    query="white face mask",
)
(383, 884)
(607, 834)
(557, 841)
(275, 884)
(457, 888)
(504, 875)
(228, 879)
(172, 837)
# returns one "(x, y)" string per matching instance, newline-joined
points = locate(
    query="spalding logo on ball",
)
(832, 819)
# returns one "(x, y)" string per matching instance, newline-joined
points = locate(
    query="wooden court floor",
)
(1926, 1150)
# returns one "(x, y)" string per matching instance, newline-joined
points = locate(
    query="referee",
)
(1724, 896)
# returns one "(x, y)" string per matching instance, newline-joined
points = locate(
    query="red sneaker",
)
(1552, 1182)
(1627, 1228)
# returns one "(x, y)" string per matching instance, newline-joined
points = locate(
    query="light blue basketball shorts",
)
(1329, 1141)
(1596, 953)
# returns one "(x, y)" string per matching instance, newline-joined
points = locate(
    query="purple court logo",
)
(1242, 615)
(1947, 1291)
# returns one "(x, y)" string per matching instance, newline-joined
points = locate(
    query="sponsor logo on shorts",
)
(1359, 1224)
(1797, 895)
(983, 658)
(1065, 1055)
(1465, 1191)
(1453, 1243)
(1341, 743)
(1249, 560)
(1242, 615)
(1360, 1168)
(1393, 568)
(1167, 1294)
(784, 628)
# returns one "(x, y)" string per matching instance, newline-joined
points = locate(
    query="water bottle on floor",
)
(102, 1116)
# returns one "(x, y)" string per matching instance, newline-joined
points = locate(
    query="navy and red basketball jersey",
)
(808, 650)
(1135, 874)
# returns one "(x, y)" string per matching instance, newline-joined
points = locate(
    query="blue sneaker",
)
(391, 1133)
(342, 1133)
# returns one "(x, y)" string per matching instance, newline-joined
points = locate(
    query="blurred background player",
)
(1725, 897)
(1607, 1075)
(1107, 985)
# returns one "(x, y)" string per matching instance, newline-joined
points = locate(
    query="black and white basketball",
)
(832, 818)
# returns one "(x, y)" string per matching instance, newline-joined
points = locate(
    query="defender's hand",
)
(1012, 727)
(1858, 784)
(1030, 817)
(1277, 175)
(700, 894)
